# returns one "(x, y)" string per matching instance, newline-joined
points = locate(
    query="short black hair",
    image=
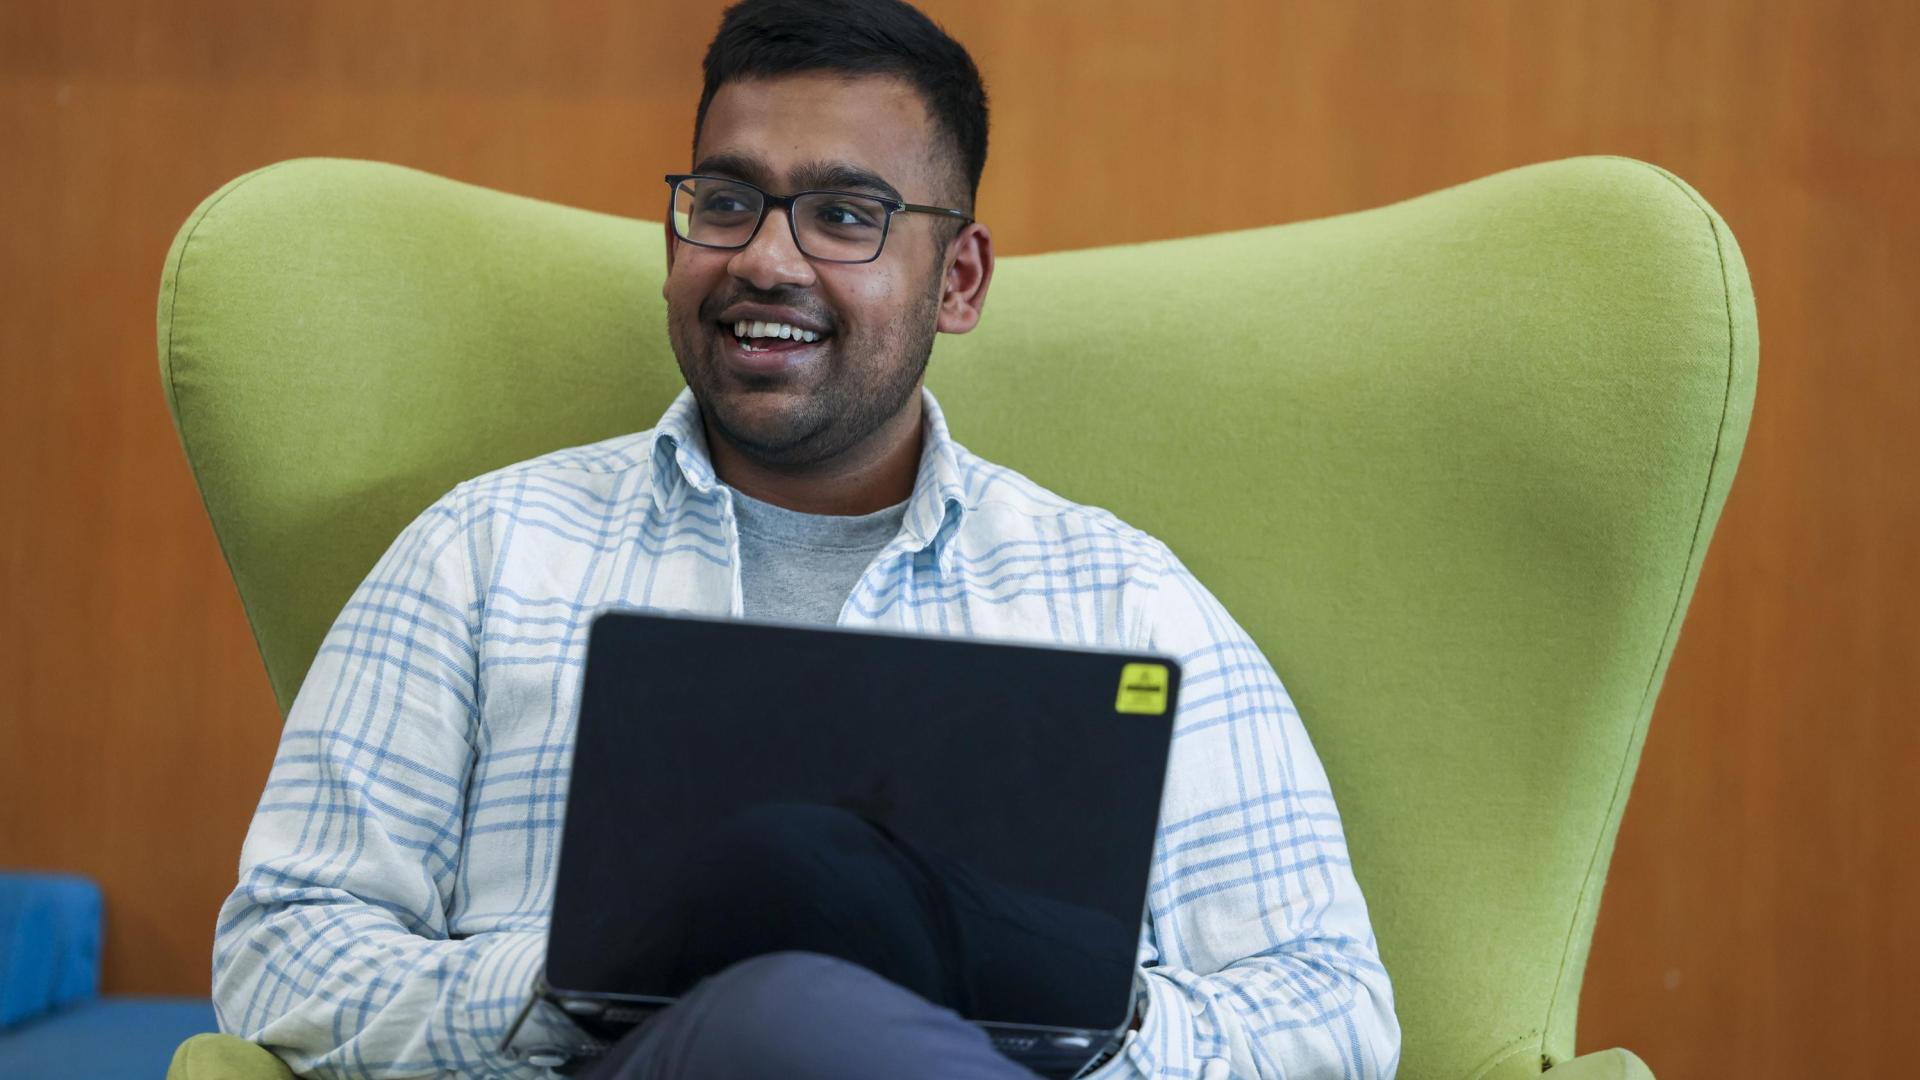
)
(766, 38)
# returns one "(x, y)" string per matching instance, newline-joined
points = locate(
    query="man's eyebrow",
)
(813, 176)
(841, 176)
(739, 166)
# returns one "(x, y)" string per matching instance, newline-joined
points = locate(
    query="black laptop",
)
(973, 820)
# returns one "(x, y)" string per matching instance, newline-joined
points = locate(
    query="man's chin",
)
(774, 425)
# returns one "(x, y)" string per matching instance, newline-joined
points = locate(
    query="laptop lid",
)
(973, 820)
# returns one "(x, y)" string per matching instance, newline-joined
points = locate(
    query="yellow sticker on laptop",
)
(1143, 690)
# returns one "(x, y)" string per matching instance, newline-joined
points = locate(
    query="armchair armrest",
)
(224, 1057)
(1615, 1064)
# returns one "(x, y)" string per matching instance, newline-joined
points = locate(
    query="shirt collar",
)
(680, 451)
(934, 511)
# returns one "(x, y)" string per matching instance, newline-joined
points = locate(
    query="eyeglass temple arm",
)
(943, 211)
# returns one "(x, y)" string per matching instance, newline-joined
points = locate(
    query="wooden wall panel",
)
(1757, 922)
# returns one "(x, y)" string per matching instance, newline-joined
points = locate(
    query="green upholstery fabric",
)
(223, 1057)
(1604, 1065)
(1453, 462)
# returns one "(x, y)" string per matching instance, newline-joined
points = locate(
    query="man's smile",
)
(763, 339)
(761, 349)
(771, 332)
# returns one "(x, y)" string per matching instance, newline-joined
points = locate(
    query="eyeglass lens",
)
(826, 225)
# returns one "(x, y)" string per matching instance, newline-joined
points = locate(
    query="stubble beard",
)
(853, 402)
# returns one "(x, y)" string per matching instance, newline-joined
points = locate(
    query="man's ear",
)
(963, 291)
(673, 248)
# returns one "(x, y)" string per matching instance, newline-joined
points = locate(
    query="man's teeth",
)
(748, 329)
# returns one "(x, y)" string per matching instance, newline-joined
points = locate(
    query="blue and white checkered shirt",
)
(391, 911)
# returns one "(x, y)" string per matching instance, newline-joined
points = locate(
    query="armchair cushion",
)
(49, 944)
(113, 1038)
(52, 1024)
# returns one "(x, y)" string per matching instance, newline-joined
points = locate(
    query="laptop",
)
(973, 820)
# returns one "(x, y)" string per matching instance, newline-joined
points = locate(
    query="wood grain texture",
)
(1757, 922)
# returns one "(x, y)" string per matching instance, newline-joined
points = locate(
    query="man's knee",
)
(780, 1002)
(802, 1016)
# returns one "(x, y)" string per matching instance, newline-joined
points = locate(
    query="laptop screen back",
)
(972, 820)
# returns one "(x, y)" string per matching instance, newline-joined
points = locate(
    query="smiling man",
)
(805, 344)
(391, 913)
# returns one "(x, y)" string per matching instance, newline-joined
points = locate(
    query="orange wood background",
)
(1759, 920)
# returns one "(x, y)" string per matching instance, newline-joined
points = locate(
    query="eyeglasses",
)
(830, 226)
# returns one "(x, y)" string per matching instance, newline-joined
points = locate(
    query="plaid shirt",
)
(390, 916)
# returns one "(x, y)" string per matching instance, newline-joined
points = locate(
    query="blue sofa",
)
(54, 1025)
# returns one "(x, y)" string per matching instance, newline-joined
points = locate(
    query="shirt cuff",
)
(498, 986)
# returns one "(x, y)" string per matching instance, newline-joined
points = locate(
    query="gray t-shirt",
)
(797, 567)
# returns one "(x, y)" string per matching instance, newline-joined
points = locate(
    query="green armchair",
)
(1453, 462)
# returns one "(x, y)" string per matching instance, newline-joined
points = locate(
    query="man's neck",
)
(873, 476)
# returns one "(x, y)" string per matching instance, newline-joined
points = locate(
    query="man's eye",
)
(723, 204)
(847, 216)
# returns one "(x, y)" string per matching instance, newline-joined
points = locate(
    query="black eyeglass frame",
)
(769, 201)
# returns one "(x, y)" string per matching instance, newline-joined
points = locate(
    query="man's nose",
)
(772, 258)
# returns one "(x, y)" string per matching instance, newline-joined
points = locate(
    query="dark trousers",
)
(803, 1016)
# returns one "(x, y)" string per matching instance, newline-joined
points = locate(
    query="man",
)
(391, 911)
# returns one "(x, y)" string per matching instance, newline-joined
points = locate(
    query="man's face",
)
(795, 404)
